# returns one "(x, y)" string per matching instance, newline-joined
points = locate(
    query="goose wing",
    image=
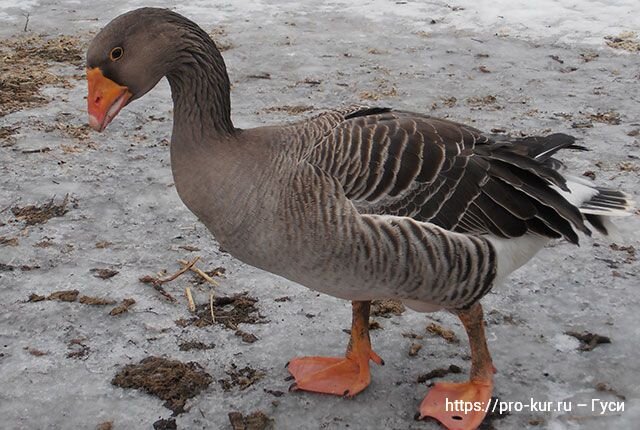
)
(442, 172)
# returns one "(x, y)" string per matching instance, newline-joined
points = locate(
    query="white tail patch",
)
(582, 191)
(514, 252)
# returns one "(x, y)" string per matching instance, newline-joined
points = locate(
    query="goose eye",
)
(116, 53)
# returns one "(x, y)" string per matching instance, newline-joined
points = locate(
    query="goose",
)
(360, 203)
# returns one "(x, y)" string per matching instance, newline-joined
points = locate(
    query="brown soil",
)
(34, 214)
(610, 117)
(122, 307)
(107, 425)
(96, 301)
(386, 308)
(444, 333)
(414, 349)
(79, 350)
(242, 378)
(35, 352)
(439, 373)
(8, 241)
(194, 344)
(104, 273)
(588, 341)
(627, 41)
(168, 424)
(33, 297)
(25, 68)
(254, 421)
(169, 380)
(229, 311)
(63, 296)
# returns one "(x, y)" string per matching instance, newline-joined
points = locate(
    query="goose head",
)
(126, 59)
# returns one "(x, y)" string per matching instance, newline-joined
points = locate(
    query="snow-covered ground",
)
(502, 65)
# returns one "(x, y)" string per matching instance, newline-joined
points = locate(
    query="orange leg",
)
(342, 376)
(473, 395)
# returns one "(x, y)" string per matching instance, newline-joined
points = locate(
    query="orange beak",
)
(105, 100)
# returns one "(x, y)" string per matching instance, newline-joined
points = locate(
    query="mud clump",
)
(34, 214)
(194, 344)
(228, 311)
(588, 340)
(254, 421)
(444, 333)
(62, 296)
(96, 301)
(122, 307)
(168, 424)
(241, 378)
(104, 273)
(170, 380)
(439, 373)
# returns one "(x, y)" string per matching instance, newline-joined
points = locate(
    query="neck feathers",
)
(199, 84)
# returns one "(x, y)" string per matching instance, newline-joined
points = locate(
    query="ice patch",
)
(568, 21)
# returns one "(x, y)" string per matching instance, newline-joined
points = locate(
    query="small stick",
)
(157, 282)
(179, 272)
(26, 24)
(192, 304)
(204, 276)
(213, 317)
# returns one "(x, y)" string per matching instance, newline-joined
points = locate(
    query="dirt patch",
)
(107, 425)
(603, 387)
(627, 41)
(386, 308)
(489, 102)
(414, 349)
(103, 244)
(610, 117)
(6, 134)
(33, 297)
(444, 333)
(35, 352)
(629, 250)
(96, 301)
(105, 273)
(194, 344)
(122, 307)
(168, 424)
(241, 378)
(8, 241)
(34, 214)
(63, 296)
(170, 380)
(229, 311)
(588, 340)
(254, 421)
(79, 350)
(25, 68)
(439, 373)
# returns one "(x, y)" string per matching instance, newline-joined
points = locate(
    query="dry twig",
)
(191, 303)
(156, 283)
(199, 272)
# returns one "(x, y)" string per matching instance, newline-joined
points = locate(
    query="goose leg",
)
(440, 403)
(342, 376)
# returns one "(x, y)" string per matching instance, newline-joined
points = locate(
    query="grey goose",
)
(361, 203)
